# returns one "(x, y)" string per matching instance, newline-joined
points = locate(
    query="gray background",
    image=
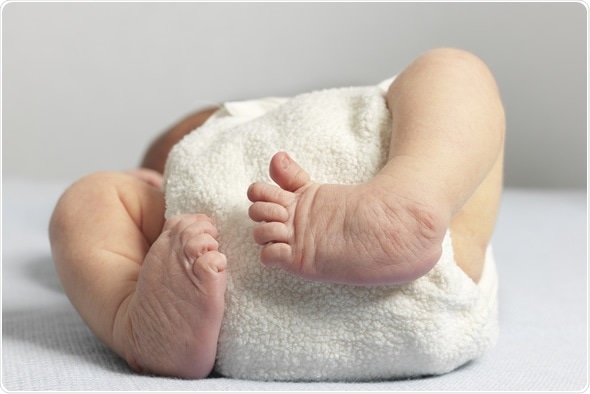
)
(87, 86)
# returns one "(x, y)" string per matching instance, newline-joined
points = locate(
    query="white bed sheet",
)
(541, 251)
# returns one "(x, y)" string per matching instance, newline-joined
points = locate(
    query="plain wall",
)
(87, 86)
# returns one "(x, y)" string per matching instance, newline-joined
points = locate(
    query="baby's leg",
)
(152, 290)
(444, 170)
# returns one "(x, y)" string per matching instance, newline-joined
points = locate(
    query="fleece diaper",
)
(280, 327)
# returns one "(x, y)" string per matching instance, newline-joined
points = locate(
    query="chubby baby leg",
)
(152, 290)
(444, 170)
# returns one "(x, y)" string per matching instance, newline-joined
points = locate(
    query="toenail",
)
(285, 162)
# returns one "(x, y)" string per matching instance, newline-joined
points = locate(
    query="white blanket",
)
(280, 327)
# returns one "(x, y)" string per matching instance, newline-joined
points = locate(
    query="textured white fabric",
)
(543, 308)
(250, 109)
(280, 327)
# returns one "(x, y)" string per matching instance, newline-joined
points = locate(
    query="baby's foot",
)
(364, 234)
(175, 315)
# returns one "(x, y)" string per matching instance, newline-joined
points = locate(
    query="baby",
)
(153, 289)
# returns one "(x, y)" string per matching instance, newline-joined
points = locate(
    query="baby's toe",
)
(208, 274)
(261, 191)
(271, 232)
(287, 173)
(211, 262)
(280, 254)
(198, 245)
(262, 211)
(191, 223)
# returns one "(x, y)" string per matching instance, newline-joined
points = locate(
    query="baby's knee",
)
(98, 186)
(101, 180)
(88, 191)
(94, 183)
(449, 61)
(454, 58)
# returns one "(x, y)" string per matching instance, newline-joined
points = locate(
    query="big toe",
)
(209, 276)
(287, 173)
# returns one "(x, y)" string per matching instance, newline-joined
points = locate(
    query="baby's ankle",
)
(420, 223)
(404, 178)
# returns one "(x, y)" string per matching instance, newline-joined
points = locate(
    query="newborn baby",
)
(153, 281)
